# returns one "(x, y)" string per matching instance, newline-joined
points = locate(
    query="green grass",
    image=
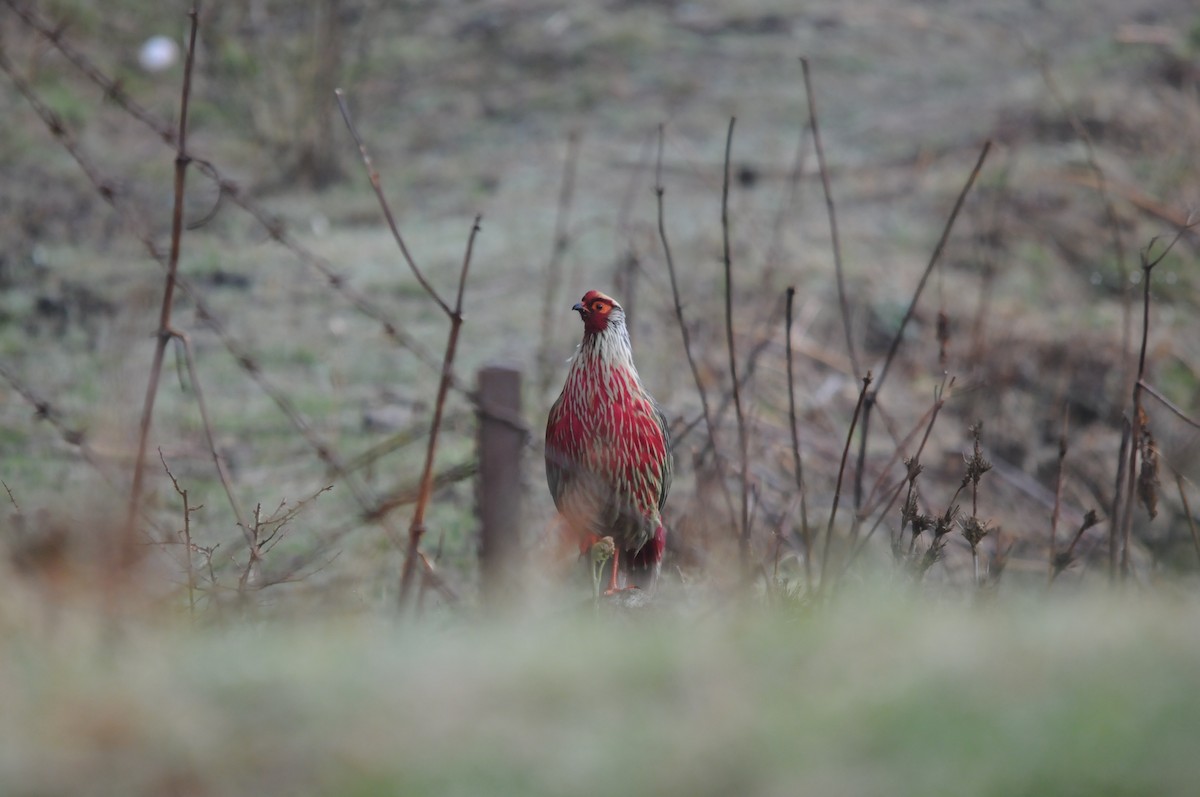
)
(883, 694)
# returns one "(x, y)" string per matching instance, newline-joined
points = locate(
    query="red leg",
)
(612, 579)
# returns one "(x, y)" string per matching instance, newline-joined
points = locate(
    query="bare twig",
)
(1166, 402)
(12, 498)
(187, 534)
(416, 529)
(926, 421)
(837, 492)
(182, 159)
(206, 422)
(933, 260)
(744, 526)
(873, 399)
(1063, 560)
(377, 185)
(912, 468)
(843, 301)
(706, 412)
(805, 531)
(1139, 416)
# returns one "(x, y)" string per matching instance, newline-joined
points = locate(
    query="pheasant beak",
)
(579, 308)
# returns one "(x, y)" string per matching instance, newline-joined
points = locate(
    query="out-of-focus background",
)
(318, 353)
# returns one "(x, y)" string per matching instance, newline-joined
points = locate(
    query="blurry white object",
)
(158, 53)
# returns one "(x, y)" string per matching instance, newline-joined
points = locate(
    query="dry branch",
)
(843, 301)
(416, 529)
(165, 332)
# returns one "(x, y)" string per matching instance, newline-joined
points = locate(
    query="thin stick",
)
(1166, 402)
(377, 185)
(792, 191)
(744, 527)
(416, 529)
(837, 492)
(659, 191)
(1058, 487)
(12, 498)
(929, 419)
(1138, 414)
(933, 260)
(873, 398)
(925, 422)
(129, 530)
(1134, 428)
(843, 301)
(187, 535)
(553, 275)
(798, 469)
(206, 422)
(1063, 560)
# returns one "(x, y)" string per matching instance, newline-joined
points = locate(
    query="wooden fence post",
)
(499, 486)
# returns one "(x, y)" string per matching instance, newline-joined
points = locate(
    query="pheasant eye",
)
(597, 307)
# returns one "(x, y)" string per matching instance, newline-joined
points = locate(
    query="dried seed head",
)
(974, 531)
(977, 465)
(945, 524)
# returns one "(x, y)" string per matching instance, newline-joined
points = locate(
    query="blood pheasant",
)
(608, 450)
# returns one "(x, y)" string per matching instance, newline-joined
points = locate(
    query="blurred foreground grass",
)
(879, 694)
